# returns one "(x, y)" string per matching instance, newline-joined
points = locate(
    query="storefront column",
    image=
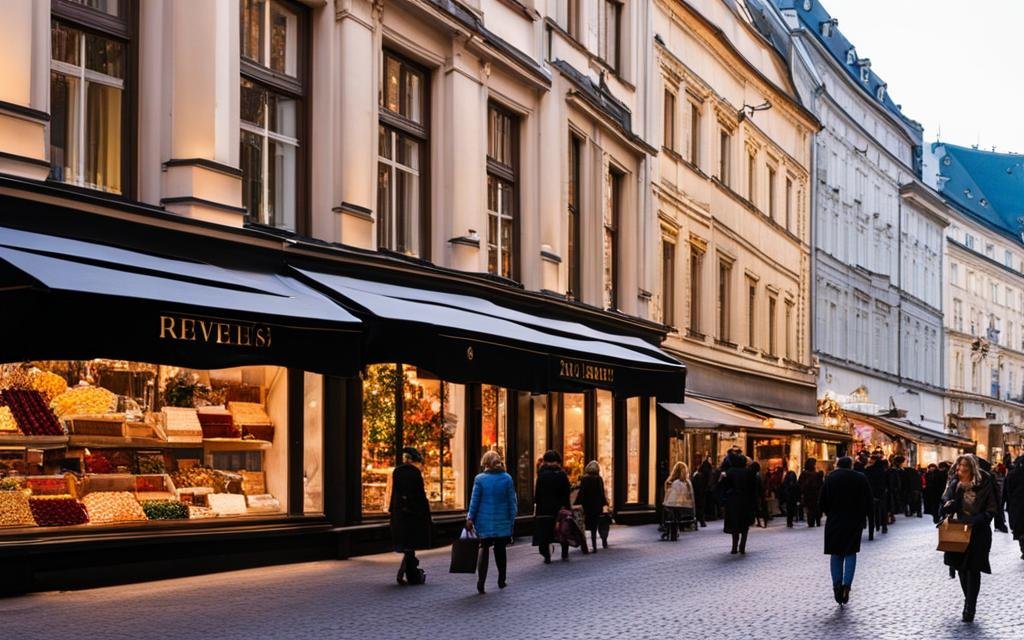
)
(343, 449)
(620, 455)
(24, 92)
(198, 100)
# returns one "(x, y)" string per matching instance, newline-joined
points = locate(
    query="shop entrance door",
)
(770, 453)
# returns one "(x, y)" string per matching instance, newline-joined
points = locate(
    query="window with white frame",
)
(502, 173)
(89, 83)
(271, 103)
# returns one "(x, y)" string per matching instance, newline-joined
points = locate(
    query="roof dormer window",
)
(851, 56)
(808, 4)
(828, 27)
(880, 92)
(865, 70)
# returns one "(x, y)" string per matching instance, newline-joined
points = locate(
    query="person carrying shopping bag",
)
(492, 516)
(593, 499)
(550, 495)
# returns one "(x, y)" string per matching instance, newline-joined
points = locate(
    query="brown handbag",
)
(954, 536)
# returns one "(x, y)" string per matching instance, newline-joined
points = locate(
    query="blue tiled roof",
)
(837, 44)
(986, 184)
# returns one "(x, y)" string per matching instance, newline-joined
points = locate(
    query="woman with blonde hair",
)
(492, 515)
(678, 502)
(971, 498)
(593, 499)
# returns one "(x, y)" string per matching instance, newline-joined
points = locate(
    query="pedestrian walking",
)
(678, 503)
(593, 499)
(701, 478)
(878, 476)
(846, 501)
(739, 490)
(810, 482)
(712, 507)
(551, 495)
(1013, 494)
(761, 506)
(934, 484)
(911, 483)
(790, 494)
(410, 516)
(492, 516)
(971, 498)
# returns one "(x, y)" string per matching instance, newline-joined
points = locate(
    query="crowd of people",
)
(865, 492)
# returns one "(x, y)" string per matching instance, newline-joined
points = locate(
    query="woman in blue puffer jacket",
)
(492, 514)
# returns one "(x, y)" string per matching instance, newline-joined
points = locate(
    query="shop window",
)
(633, 435)
(540, 428)
(502, 177)
(108, 442)
(402, 180)
(405, 406)
(606, 440)
(573, 434)
(271, 156)
(573, 213)
(89, 101)
(494, 419)
(313, 443)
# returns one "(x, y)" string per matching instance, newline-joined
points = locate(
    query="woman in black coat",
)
(810, 491)
(1013, 494)
(846, 501)
(700, 480)
(410, 516)
(789, 495)
(971, 498)
(739, 488)
(593, 499)
(551, 494)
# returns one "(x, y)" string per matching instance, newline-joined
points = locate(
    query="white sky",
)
(953, 65)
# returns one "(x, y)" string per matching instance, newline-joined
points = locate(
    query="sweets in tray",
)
(84, 401)
(14, 509)
(33, 416)
(113, 506)
(253, 420)
(165, 510)
(216, 422)
(181, 424)
(57, 511)
(8, 426)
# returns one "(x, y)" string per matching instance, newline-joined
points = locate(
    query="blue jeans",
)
(843, 568)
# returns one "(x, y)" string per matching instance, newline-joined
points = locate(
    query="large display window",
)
(574, 434)
(407, 406)
(606, 440)
(109, 442)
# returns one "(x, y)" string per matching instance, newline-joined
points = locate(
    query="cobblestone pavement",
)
(638, 588)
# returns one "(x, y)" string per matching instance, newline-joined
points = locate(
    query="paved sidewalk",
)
(639, 588)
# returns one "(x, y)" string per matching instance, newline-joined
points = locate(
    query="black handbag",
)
(464, 554)
(604, 525)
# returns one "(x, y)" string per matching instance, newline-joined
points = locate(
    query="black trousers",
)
(913, 507)
(792, 512)
(500, 558)
(881, 515)
(970, 584)
(813, 516)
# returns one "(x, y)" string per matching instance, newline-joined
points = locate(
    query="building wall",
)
(736, 221)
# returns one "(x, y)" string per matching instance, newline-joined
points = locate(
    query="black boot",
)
(846, 593)
(743, 543)
(481, 568)
(837, 592)
(735, 542)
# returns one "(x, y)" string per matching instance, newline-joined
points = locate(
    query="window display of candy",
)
(34, 418)
(14, 509)
(49, 384)
(113, 506)
(217, 422)
(165, 509)
(182, 425)
(200, 513)
(98, 462)
(7, 423)
(84, 401)
(227, 504)
(57, 511)
(203, 477)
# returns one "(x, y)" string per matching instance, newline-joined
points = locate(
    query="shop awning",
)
(810, 425)
(69, 299)
(910, 431)
(699, 413)
(465, 338)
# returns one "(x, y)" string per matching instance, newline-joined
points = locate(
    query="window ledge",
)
(465, 241)
(354, 210)
(695, 335)
(750, 350)
(726, 343)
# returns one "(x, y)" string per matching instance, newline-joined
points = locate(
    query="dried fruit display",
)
(196, 477)
(113, 506)
(34, 418)
(151, 463)
(49, 384)
(84, 401)
(165, 509)
(57, 511)
(14, 510)
(7, 423)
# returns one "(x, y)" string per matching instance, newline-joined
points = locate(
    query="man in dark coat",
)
(551, 495)
(410, 516)
(935, 483)
(810, 491)
(739, 487)
(894, 488)
(789, 495)
(1013, 494)
(911, 485)
(878, 478)
(846, 500)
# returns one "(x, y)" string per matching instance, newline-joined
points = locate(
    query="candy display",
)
(182, 425)
(197, 477)
(217, 422)
(11, 484)
(165, 509)
(84, 401)
(264, 503)
(200, 513)
(151, 462)
(34, 418)
(227, 504)
(109, 425)
(98, 462)
(14, 510)
(7, 423)
(57, 511)
(156, 486)
(113, 506)
(50, 385)
(248, 413)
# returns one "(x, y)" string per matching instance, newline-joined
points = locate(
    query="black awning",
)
(69, 299)
(465, 338)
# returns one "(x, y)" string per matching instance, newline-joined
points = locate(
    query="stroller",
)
(674, 520)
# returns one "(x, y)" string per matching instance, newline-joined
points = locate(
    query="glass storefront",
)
(432, 420)
(574, 430)
(633, 435)
(108, 442)
(606, 440)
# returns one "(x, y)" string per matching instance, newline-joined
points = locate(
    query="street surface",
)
(639, 588)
